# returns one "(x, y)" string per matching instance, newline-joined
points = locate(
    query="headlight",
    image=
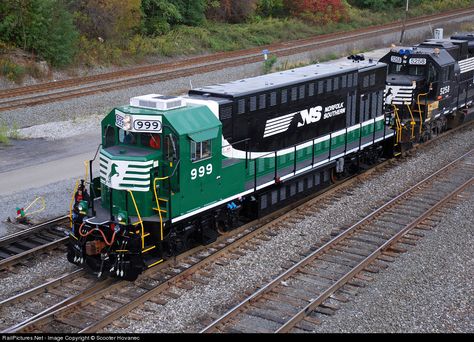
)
(122, 217)
(83, 207)
(127, 122)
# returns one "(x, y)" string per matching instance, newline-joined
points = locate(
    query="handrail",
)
(86, 164)
(412, 122)
(237, 142)
(397, 122)
(419, 108)
(158, 203)
(72, 201)
(139, 217)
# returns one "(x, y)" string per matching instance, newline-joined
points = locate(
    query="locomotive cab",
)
(125, 225)
(422, 83)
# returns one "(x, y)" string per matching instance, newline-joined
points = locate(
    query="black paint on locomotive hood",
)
(280, 110)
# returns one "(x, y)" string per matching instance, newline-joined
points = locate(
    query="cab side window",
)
(109, 136)
(200, 150)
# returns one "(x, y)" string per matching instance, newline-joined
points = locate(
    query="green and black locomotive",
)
(178, 171)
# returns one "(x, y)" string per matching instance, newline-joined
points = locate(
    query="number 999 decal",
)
(146, 125)
(201, 171)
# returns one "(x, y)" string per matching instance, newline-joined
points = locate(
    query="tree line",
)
(51, 29)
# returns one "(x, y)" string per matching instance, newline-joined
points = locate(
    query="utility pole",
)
(404, 23)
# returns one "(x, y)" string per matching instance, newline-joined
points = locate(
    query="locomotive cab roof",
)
(456, 48)
(439, 57)
(190, 119)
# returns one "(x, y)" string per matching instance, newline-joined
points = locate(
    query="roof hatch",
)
(157, 101)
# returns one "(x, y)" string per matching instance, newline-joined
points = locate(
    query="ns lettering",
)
(310, 116)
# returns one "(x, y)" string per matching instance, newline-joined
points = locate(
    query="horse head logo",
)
(113, 172)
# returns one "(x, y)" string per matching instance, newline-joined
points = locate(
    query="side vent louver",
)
(157, 101)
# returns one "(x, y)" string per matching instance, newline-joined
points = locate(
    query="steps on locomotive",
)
(163, 208)
(101, 216)
(151, 260)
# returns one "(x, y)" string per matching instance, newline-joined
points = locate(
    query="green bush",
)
(44, 27)
(12, 71)
(269, 63)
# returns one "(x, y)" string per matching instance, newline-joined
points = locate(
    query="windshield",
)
(416, 70)
(151, 140)
(397, 69)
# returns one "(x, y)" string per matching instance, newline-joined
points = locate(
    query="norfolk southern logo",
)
(310, 116)
(305, 117)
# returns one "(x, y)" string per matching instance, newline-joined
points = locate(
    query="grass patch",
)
(7, 133)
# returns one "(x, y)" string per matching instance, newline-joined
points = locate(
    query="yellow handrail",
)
(419, 107)
(139, 217)
(86, 164)
(72, 201)
(158, 204)
(412, 122)
(397, 122)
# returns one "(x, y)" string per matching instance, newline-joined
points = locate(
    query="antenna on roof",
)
(191, 84)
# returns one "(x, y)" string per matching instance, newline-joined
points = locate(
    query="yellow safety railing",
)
(158, 204)
(419, 108)
(412, 122)
(398, 124)
(72, 202)
(86, 167)
(139, 218)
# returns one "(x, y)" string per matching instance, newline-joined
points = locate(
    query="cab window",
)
(415, 70)
(127, 138)
(170, 147)
(396, 68)
(200, 150)
(152, 140)
(109, 136)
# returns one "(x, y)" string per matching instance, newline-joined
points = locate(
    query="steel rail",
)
(343, 280)
(30, 233)
(324, 248)
(259, 226)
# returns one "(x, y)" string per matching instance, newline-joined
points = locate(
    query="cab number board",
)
(417, 61)
(146, 125)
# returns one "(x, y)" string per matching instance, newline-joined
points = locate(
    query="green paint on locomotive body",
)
(191, 185)
(187, 193)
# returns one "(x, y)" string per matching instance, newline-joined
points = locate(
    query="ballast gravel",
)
(428, 289)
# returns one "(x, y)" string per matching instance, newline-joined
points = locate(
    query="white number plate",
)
(141, 125)
(395, 59)
(417, 61)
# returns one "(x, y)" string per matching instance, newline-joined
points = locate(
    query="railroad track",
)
(32, 241)
(47, 297)
(77, 87)
(99, 308)
(61, 313)
(290, 302)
